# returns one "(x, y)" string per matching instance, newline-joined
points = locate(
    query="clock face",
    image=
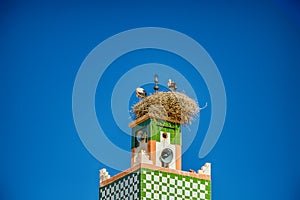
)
(140, 136)
(166, 155)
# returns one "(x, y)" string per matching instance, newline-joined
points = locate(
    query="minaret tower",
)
(155, 171)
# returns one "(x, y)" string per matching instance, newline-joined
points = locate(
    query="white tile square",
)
(164, 188)
(187, 193)
(172, 181)
(148, 177)
(148, 194)
(179, 191)
(202, 187)
(172, 190)
(187, 184)
(202, 196)
(179, 183)
(195, 186)
(148, 186)
(194, 194)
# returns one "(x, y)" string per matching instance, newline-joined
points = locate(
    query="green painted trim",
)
(173, 128)
(153, 128)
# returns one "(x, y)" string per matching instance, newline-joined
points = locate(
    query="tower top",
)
(156, 150)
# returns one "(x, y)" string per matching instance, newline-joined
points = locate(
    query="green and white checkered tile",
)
(167, 186)
(148, 184)
(125, 188)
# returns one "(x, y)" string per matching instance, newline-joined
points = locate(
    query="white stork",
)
(172, 85)
(141, 93)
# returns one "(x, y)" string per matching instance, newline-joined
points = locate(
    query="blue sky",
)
(255, 45)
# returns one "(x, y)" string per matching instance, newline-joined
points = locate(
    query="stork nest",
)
(171, 106)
